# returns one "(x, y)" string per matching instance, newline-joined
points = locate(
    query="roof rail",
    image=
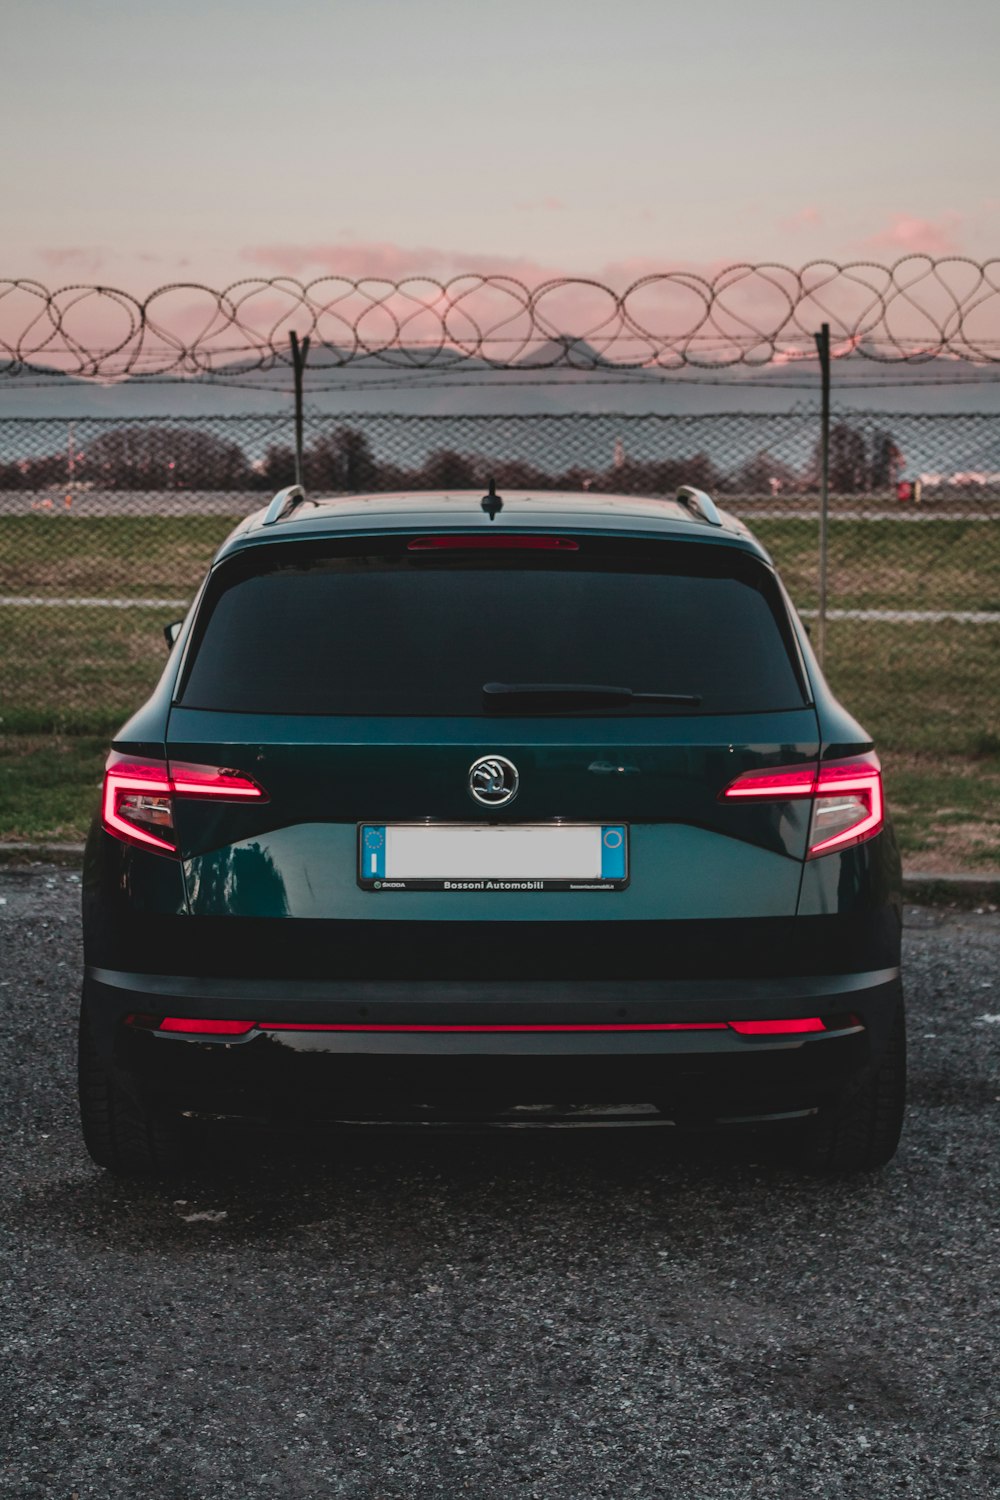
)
(699, 504)
(284, 502)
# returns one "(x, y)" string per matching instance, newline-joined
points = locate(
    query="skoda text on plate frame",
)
(540, 804)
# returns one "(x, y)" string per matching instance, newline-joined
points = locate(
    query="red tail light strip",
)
(503, 543)
(206, 1028)
(773, 785)
(212, 781)
(777, 1028)
(196, 1025)
(637, 1026)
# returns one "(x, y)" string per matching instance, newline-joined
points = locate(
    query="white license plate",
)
(492, 857)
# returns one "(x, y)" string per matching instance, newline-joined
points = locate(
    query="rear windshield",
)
(342, 629)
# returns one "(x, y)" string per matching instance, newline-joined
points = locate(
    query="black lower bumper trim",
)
(267, 998)
(625, 1047)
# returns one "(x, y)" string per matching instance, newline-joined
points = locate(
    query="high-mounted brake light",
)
(503, 543)
(847, 801)
(137, 804)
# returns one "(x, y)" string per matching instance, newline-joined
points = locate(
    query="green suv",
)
(450, 807)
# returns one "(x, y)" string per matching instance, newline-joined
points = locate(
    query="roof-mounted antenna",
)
(491, 502)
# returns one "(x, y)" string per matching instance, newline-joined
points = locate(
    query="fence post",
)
(300, 353)
(70, 462)
(823, 348)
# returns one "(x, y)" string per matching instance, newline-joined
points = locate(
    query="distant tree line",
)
(859, 464)
(340, 459)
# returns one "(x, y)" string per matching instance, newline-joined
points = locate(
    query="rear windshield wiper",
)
(502, 697)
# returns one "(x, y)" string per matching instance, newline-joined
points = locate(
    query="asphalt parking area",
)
(569, 1316)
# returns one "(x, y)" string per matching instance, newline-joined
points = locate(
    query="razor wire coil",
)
(914, 311)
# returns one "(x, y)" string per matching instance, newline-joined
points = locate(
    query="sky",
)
(209, 140)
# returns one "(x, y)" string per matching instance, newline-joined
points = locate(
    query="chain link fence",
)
(106, 527)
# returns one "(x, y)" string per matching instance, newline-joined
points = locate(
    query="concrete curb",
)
(927, 888)
(12, 852)
(39, 850)
(967, 890)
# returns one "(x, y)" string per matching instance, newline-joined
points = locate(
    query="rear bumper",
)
(391, 1044)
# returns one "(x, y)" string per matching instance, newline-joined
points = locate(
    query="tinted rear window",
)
(334, 629)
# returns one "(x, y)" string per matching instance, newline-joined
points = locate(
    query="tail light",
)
(138, 799)
(848, 806)
(846, 795)
(137, 803)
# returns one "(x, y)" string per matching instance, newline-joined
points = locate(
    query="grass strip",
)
(49, 786)
(887, 564)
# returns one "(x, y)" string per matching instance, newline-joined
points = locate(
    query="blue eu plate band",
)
(373, 851)
(613, 852)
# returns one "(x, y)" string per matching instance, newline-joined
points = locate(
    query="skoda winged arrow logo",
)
(493, 780)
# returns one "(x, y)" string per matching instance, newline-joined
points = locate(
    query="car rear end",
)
(435, 811)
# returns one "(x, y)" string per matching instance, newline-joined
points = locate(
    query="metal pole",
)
(70, 463)
(823, 347)
(300, 353)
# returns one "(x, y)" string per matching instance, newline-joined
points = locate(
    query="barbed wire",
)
(914, 311)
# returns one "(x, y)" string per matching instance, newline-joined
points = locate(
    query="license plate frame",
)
(381, 855)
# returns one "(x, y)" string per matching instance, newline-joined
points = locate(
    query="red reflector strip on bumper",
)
(613, 1026)
(777, 1028)
(206, 1028)
(198, 1026)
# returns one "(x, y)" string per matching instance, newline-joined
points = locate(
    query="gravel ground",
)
(568, 1316)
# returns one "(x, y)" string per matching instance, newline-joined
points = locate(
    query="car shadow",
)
(407, 1189)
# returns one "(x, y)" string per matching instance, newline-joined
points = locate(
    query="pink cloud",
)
(358, 260)
(85, 259)
(908, 235)
(354, 259)
(493, 319)
(543, 205)
(374, 259)
(621, 273)
(809, 217)
(339, 260)
(670, 299)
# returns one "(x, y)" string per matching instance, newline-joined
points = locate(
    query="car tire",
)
(120, 1134)
(861, 1132)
